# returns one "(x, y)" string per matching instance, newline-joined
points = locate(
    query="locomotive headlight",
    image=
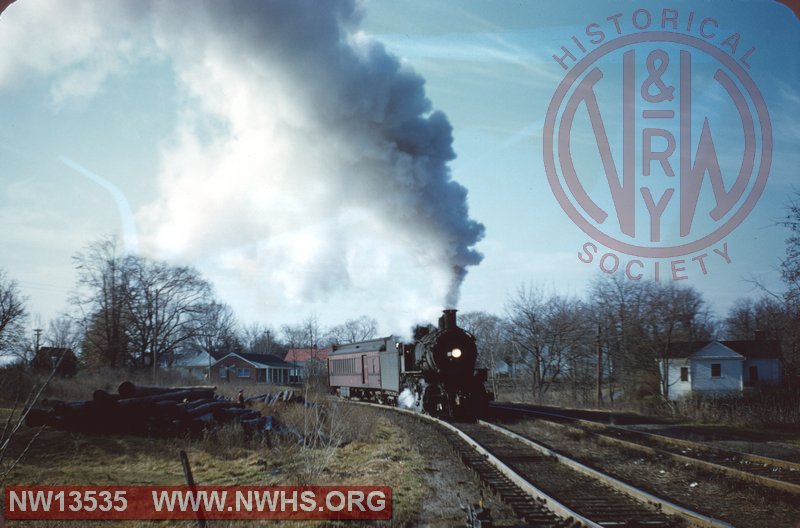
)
(456, 353)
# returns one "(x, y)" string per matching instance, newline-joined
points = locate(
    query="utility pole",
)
(38, 333)
(599, 351)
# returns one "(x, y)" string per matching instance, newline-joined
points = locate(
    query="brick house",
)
(255, 368)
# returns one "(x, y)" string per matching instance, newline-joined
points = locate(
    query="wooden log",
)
(128, 389)
(204, 418)
(235, 413)
(196, 403)
(207, 408)
(252, 415)
(178, 395)
(103, 397)
(177, 411)
(169, 410)
(260, 398)
(38, 417)
(67, 407)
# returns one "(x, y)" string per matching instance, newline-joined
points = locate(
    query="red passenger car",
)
(366, 369)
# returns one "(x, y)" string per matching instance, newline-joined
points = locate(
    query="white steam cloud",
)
(406, 400)
(304, 138)
(306, 159)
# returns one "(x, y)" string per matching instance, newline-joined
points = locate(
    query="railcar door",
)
(364, 374)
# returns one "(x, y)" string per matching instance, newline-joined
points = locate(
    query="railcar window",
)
(344, 366)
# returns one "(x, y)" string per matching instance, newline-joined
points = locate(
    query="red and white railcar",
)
(366, 369)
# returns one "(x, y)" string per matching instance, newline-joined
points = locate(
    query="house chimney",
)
(760, 335)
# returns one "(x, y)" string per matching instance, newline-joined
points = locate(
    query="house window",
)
(684, 373)
(243, 373)
(716, 370)
(223, 373)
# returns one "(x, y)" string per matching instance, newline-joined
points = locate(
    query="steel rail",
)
(694, 518)
(559, 510)
(552, 504)
(749, 476)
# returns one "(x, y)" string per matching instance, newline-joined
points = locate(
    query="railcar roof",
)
(370, 345)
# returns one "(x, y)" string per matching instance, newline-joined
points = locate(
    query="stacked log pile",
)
(147, 411)
(268, 398)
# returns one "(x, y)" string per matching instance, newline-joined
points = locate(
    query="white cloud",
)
(76, 44)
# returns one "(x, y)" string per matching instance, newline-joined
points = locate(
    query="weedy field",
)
(358, 447)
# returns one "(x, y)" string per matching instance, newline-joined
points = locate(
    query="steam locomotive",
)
(435, 374)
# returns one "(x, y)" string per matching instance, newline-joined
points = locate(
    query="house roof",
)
(301, 355)
(259, 360)
(750, 349)
(756, 349)
(381, 344)
(198, 359)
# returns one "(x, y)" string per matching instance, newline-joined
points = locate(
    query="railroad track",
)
(549, 490)
(773, 473)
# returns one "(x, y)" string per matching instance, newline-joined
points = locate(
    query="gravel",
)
(741, 504)
(451, 483)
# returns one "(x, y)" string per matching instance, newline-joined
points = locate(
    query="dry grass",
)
(764, 407)
(364, 450)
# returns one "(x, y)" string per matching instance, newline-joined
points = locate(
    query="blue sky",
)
(138, 119)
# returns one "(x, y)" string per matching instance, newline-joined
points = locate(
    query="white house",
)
(720, 367)
(195, 365)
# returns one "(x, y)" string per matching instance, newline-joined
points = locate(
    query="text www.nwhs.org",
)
(273, 501)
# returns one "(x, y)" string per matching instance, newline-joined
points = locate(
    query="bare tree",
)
(258, 338)
(548, 333)
(789, 300)
(167, 307)
(13, 316)
(639, 322)
(64, 332)
(135, 311)
(217, 328)
(492, 340)
(741, 320)
(102, 300)
(353, 330)
(675, 314)
(304, 335)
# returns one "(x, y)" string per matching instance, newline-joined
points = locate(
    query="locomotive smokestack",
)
(448, 319)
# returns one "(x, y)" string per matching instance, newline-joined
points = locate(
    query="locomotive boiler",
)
(436, 373)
